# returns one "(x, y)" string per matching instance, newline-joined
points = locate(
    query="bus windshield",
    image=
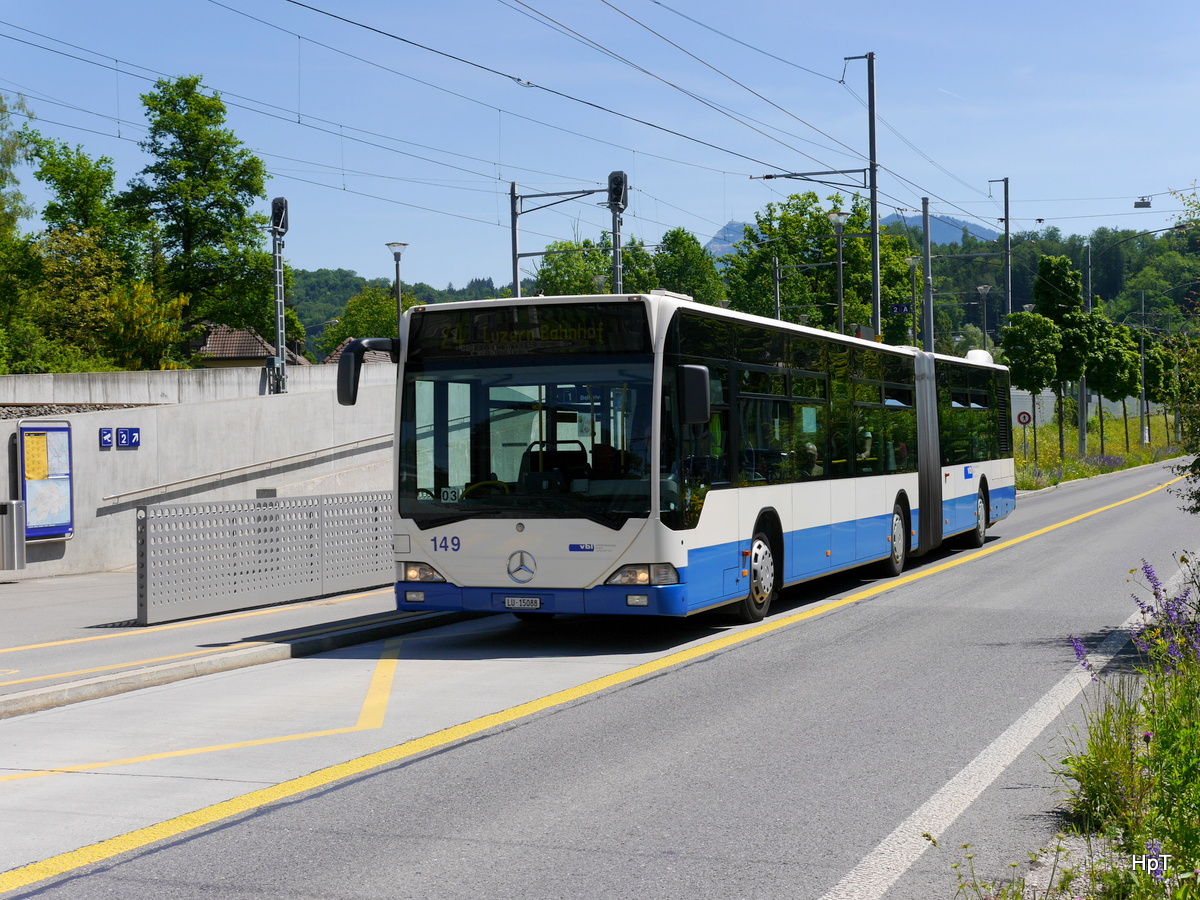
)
(529, 438)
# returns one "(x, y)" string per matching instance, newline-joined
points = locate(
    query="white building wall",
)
(203, 424)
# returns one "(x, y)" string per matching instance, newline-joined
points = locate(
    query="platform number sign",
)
(129, 438)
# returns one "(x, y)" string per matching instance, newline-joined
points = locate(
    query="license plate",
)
(522, 602)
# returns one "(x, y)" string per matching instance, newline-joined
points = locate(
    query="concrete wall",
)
(182, 386)
(206, 423)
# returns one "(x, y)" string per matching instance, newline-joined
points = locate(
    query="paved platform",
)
(74, 637)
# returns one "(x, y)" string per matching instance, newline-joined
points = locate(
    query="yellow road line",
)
(142, 837)
(238, 646)
(191, 623)
(139, 662)
(371, 716)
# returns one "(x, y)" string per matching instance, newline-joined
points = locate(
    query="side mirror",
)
(695, 401)
(350, 365)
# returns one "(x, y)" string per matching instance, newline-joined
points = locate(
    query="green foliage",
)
(1136, 775)
(20, 271)
(370, 313)
(70, 304)
(1114, 368)
(1104, 769)
(83, 196)
(682, 265)
(798, 235)
(26, 350)
(198, 191)
(1031, 347)
(146, 332)
(322, 294)
(575, 267)
(14, 149)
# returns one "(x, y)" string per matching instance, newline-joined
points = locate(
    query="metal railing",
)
(196, 559)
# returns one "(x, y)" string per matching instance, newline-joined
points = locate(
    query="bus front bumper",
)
(650, 600)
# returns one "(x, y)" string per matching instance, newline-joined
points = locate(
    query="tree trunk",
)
(1125, 416)
(1100, 412)
(1033, 406)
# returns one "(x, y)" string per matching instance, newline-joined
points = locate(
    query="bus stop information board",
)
(46, 480)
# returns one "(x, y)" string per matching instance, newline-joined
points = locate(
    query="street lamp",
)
(397, 249)
(983, 292)
(912, 265)
(838, 219)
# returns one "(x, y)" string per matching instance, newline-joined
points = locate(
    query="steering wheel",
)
(479, 484)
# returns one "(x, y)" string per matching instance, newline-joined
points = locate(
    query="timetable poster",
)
(46, 486)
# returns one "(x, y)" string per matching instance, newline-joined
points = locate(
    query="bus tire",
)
(977, 535)
(898, 541)
(764, 579)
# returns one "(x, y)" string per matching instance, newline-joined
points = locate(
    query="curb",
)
(22, 702)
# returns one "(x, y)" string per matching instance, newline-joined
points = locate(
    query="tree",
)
(370, 313)
(575, 267)
(1113, 371)
(682, 265)
(70, 304)
(14, 149)
(1161, 382)
(799, 236)
(637, 268)
(1031, 346)
(1189, 415)
(146, 332)
(1058, 295)
(198, 191)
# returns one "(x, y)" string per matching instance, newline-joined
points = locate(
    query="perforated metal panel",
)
(196, 559)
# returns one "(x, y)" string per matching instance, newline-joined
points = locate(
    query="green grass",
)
(1049, 467)
(1131, 774)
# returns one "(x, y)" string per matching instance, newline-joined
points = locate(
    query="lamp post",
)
(838, 219)
(397, 249)
(983, 292)
(912, 266)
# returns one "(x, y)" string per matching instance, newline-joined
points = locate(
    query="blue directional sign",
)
(106, 438)
(129, 438)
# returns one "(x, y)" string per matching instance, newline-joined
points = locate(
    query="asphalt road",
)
(612, 758)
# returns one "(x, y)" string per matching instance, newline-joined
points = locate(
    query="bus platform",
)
(69, 638)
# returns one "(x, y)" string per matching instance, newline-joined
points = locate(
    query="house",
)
(222, 346)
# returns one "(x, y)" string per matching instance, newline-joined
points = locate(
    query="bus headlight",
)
(652, 573)
(418, 571)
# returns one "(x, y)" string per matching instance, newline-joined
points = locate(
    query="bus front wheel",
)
(763, 580)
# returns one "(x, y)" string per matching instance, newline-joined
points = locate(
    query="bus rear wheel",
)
(977, 535)
(898, 553)
(763, 580)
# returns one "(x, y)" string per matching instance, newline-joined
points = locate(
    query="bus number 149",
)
(451, 544)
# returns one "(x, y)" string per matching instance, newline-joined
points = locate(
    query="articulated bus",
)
(649, 455)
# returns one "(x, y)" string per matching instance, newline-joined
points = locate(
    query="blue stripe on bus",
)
(713, 575)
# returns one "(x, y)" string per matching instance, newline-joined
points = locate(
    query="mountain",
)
(722, 242)
(943, 230)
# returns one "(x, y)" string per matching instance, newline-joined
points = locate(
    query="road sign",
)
(1024, 418)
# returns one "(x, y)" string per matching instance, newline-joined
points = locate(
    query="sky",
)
(409, 121)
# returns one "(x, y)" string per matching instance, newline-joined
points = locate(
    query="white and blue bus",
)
(649, 455)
